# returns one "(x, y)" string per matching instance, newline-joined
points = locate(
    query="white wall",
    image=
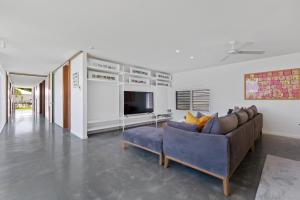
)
(103, 101)
(79, 97)
(2, 98)
(161, 104)
(37, 99)
(281, 117)
(50, 101)
(58, 97)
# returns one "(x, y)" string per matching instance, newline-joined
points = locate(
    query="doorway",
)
(23, 100)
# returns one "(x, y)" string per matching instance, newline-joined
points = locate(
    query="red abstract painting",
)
(273, 85)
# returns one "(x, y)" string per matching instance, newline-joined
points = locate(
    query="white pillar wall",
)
(2, 98)
(79, 97)
(58, 97)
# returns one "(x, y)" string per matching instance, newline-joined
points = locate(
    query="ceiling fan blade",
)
(225, 58)
(251, 52)
(246, 44)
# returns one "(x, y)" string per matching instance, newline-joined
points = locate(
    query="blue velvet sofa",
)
(219, 148)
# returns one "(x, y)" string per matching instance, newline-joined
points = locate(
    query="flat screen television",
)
(138, 102)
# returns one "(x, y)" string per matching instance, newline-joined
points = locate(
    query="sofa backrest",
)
(226, 124)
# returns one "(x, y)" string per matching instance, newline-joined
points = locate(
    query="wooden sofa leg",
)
(226, 187)
(124, 145)
(166, 162)
(161, 159)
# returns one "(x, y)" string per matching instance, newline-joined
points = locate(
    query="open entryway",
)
(28, 95)
(22, 101)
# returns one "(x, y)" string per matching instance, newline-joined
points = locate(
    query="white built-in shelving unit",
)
(107, 81)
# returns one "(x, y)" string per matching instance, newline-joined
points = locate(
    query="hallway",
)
(39, 161)
(35, 160)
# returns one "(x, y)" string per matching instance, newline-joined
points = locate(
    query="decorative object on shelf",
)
(200, 100)
(163, 83)
(163, 76)
(140, 72)
(103, 65)
(139, 81)
(183, 100)
(273, 85)
(101, 76)
(75, 77)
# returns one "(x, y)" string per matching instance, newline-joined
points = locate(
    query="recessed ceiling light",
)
(177, 51)
(91, 47)
(192, 57)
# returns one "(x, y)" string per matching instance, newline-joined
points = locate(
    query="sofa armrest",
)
(205, 151)
(240, 141)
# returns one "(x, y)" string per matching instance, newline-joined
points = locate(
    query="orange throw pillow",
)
(191, 119)
(203, 120)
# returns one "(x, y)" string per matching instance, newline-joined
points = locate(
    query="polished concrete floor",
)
(39, 161)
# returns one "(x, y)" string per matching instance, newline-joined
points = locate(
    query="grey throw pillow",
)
(221, 125)
(254, 109)
(250, 113)
(242, 116)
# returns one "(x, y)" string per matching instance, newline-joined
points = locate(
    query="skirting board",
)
(290, 135)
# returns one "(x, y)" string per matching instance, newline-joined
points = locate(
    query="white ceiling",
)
(25, 81)
(42, 34)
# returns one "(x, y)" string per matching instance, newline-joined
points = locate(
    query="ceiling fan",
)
(235, 51)
(2, 44)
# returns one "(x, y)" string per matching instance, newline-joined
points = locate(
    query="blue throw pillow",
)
(200, 114)
(208, 126)
(183, 126)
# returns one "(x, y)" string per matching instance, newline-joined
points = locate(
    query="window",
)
(200, 100)
(197, 100)
(183, 100)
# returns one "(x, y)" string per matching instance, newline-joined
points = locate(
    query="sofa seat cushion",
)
(148, 137)
(183, 126)
(221, 125)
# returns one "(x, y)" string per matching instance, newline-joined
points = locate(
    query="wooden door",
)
(42, 98)
(66, 96)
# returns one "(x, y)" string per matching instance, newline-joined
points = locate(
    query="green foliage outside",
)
(22, 105)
